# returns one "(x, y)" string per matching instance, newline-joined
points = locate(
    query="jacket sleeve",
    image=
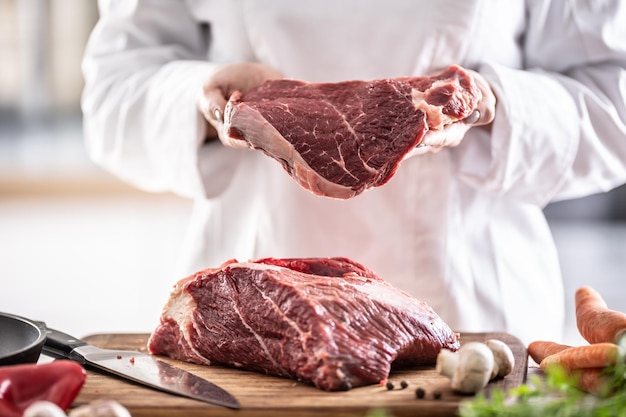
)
(560, 125)
(144, 65)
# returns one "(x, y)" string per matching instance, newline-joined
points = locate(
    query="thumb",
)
(485, 112)
(211, 104)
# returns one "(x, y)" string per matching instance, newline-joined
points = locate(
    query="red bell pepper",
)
(21, 385)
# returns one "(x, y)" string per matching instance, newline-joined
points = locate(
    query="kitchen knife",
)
(138, 367)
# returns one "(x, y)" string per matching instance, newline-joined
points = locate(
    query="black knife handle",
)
(59, 344)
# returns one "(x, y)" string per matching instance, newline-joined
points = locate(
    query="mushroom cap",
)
(474, 368)
(503, 356)
(446, 362)
(44, 409)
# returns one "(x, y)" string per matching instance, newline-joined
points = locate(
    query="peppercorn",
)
(420, 393)
(404, 384)
(390, 385)
(437, 395)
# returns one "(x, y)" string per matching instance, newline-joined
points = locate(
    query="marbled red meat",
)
(327, 321)
(339, 139)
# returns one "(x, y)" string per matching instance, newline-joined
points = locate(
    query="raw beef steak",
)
(327, 321)
(339, 139)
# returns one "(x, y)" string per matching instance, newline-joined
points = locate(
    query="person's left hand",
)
(225, 80)
(453, 134)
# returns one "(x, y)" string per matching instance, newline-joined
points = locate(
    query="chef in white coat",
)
(462, 228)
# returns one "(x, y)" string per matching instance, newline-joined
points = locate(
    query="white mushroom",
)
(101, 408)
(474, 368)
(44, 409)
(503, 356)
(446, 362)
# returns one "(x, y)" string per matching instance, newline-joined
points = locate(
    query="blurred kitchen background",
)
(88, 254)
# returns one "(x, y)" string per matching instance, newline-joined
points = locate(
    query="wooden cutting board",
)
(266, 396)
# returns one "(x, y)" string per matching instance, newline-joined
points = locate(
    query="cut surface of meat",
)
(330, 322)
(339, 139)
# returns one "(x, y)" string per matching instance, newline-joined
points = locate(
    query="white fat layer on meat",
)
(178, 308)
(256, 265)
(229, 110)
(267, 138)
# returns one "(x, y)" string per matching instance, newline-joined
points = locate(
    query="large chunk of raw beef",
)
(327, 321)
(339, 139)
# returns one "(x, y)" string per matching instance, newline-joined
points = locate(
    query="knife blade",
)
(138, 367)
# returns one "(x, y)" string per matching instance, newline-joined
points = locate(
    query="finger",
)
(451, 135)
(472, 118)
(211, 104)
(486, 107)
(219, 116)
(418, 150)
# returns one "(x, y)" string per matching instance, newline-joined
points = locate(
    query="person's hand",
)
(217, 89)
(453, 134)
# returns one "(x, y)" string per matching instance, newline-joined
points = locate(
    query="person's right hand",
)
(227, 79)
(452, 134)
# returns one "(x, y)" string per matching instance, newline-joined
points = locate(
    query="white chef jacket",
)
(461, 229)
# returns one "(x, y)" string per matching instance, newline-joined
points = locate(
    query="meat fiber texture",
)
(340, 139)
(330, 322)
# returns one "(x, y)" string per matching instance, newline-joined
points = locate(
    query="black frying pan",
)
(21, 339)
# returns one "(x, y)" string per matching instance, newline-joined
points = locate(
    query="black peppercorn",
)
(390, 385)
(437, 395)
(420, 393)
(404, 384)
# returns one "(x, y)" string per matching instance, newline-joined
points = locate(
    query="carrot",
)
(597, 355)
(593, 381)
(541, 349)
(595, 321)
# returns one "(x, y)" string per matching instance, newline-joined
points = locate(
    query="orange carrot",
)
(593, 381)
(595, 321)
(541, 349)
(597, 355)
